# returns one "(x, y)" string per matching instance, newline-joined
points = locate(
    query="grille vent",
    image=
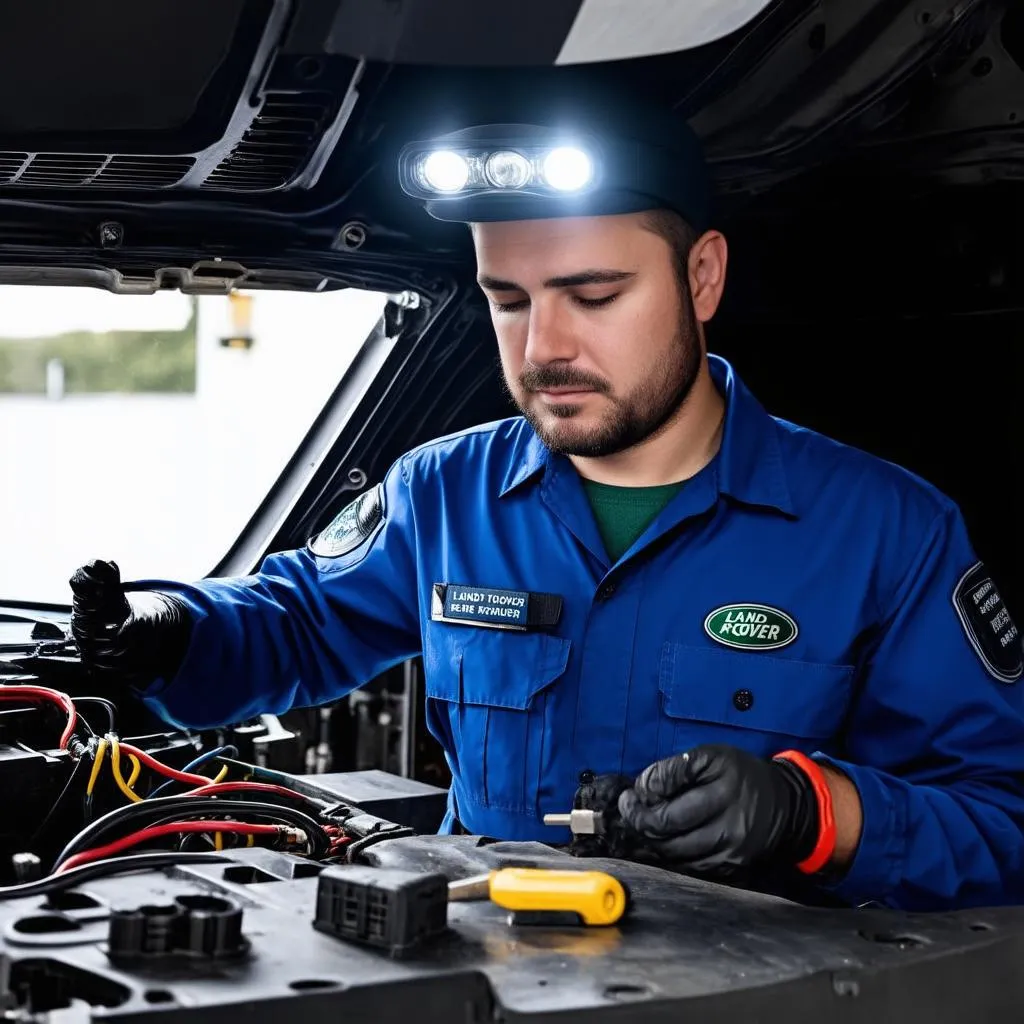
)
(276, 146)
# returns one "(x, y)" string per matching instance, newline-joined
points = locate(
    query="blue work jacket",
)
(796, 593)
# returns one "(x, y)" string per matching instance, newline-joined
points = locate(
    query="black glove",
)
(134, 641)
(720, 812)
(601, 793)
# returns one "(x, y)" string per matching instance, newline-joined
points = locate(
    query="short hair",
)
(680, 236)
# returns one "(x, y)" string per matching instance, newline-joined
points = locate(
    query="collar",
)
(749, 464)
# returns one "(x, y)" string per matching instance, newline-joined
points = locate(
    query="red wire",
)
(163, 769)
(157, 831)
(235, 787)
(9, 693)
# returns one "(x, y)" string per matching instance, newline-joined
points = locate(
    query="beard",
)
(636, 417)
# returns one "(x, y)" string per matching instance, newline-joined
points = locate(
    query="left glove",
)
(718, 811)
(131, 640)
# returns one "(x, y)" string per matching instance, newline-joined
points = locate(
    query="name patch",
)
(510, 607)
(493, 607)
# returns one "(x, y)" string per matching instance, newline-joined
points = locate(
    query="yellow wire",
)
(136, 770)
(101, 750)
(218, 837)
(115, 764)
(218, 840)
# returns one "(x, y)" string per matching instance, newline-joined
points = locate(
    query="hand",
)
(718, 811)
(135, 641)
(601, 793)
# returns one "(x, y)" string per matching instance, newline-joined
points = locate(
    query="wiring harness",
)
(209, 809)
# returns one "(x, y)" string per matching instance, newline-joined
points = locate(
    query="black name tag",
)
(494, 608)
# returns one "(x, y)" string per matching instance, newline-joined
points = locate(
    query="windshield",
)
(147, 429)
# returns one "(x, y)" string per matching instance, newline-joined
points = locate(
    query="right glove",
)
(721, 812)
(136, 640)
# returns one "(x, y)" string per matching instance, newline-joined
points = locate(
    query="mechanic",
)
(788, 644)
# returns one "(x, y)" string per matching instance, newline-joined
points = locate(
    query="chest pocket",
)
(487, 704)
(761, 703)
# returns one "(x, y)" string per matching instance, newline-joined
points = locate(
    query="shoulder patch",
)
(351, 526)
(987, 624)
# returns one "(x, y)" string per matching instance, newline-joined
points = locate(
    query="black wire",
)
(354, 849)
(108, 706)
(100, 868)
(82, 720)
(82, 769)
(124, 820)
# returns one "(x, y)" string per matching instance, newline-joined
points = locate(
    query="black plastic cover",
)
(689, 950)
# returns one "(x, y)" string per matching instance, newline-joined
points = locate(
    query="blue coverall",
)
(866, 571)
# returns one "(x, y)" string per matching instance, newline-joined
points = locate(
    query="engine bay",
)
(189, 873)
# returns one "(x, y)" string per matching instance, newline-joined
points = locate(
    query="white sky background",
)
(31, 312)
(161, 483)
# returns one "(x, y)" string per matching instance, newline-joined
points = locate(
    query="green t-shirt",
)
(623, 513)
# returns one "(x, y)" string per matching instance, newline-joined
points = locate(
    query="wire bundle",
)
(161, 816)
(209, 806)
(203, 809)
(140, 757)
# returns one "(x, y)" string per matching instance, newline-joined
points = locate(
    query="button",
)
(743, 700)
(606, 591)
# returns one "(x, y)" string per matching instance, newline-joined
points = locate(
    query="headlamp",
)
(444, 171)
(525, 171)
(563, 167)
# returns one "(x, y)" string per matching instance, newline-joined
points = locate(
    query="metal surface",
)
(469, 889)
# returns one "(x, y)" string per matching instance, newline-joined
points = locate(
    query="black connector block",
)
(381, 907)
(191, 927)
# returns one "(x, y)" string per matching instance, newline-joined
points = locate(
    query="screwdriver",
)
(596, 897)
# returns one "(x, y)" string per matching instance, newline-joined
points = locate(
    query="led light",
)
(567, 169)
(444, 171)
(508, 169)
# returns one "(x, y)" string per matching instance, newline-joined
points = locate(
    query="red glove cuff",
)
(826, 844)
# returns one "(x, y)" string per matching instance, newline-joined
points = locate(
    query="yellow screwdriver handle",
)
(597, 897)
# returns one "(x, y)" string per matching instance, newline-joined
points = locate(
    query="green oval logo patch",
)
(751, 627)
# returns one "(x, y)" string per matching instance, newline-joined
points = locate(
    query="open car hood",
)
(179, 143)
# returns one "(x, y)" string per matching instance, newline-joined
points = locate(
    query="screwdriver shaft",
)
(581, 822)
(559, 820)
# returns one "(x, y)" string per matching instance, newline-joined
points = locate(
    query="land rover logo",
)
(753, 626)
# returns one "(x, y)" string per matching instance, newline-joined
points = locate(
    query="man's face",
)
(599, 344)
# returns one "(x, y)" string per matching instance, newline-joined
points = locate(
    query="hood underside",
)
(179, 143)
